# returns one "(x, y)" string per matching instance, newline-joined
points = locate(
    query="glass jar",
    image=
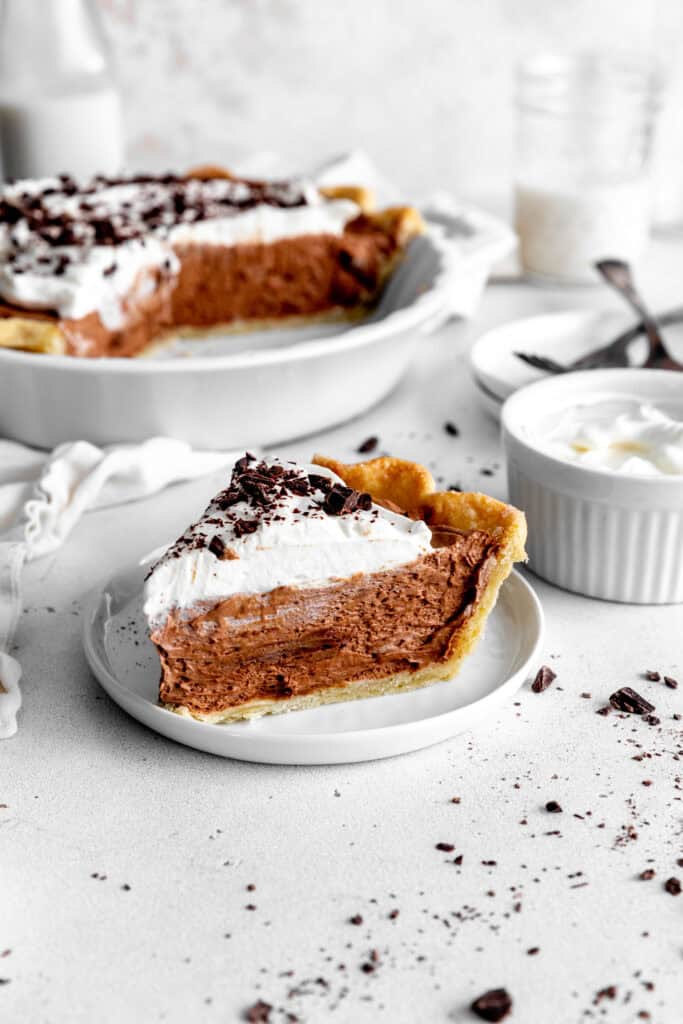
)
(60, 111)
(584, 141)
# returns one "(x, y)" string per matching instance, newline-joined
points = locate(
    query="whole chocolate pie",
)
(304, 585)
(112, 267)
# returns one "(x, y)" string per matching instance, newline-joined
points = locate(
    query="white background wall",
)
(425, 85)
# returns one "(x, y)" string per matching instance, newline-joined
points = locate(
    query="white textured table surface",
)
(126, 859)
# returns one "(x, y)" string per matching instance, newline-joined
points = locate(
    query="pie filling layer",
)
(293, 642)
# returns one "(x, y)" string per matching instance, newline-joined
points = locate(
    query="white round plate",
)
(127, 666)
(496, 370)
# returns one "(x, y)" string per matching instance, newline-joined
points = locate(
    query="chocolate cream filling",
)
(296, 641)
(307, 275)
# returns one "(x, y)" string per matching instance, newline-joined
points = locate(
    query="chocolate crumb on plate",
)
(647, 875)
(673, 886)
(493, 1005)
(544, 677)
(671, 682)
(451, 429)
(553, 807)
(368, 445)
(356, 919)
(652, 675)
(651, 719)
(533, 951)
(445, 847)
(631, 702)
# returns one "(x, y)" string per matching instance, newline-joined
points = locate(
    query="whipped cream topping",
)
(619, 434)
(79, 248)
(276, 525)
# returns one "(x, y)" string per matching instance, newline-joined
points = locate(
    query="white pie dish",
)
(260, 388)
(596, 532)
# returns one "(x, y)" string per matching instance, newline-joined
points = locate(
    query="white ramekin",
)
(593, 531)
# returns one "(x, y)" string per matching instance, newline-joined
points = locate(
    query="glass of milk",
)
(584, 141)
(60, 111)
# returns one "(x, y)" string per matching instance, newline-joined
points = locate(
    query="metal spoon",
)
(618, 274)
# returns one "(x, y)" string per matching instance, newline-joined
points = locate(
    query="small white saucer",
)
(126, 664)
(496, 370)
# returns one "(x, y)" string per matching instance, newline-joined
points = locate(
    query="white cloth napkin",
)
(42, 497)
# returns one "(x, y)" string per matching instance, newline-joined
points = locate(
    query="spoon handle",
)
(618, 274)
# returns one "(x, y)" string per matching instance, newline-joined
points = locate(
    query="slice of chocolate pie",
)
(112, 267)
(301, 586)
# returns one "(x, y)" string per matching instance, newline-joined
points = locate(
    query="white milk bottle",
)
(60, 111)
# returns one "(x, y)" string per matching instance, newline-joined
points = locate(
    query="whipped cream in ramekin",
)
(595, 460)
(618, 433)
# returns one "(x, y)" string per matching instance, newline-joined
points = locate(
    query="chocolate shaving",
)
(217, 547)
(341, 500)
(493, 1005)
(544, 677)
(631, 702)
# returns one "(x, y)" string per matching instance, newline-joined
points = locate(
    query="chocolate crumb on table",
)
(544, 677)
(493, 1005)
(631, 702)
(259, 1013)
